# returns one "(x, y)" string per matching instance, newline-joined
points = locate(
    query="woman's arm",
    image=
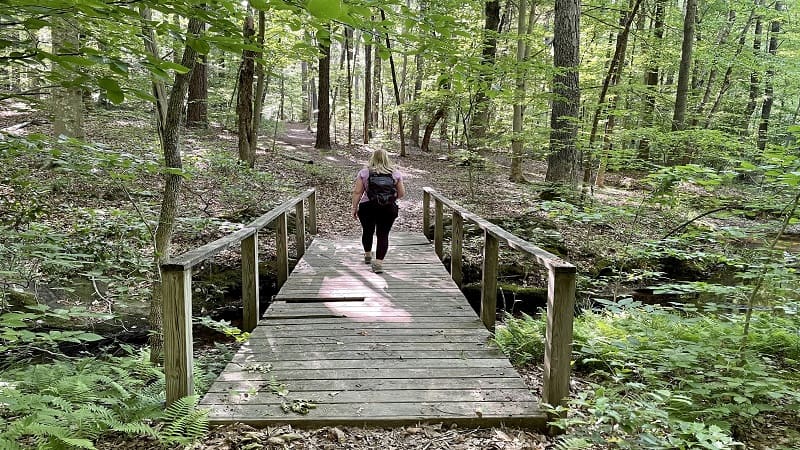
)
(401, 189)
(358, 191)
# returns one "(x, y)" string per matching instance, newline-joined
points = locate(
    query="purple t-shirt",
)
(363, 175)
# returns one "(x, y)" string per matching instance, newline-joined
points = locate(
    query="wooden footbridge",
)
(340, 345)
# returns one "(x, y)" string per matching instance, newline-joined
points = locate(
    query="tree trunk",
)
(479, 121)
(261, 86)
(197, 107)
(170, 141)
(415, 120)
(323, 140)
(766, 107)
(564, 161)
(396, 92)
(244, 98)
(67, 101)
(304, 108)
(431, 125)
(312, 101)
(348, 38)
(519, 98)
(726, 79)
(367, 91)
(651, 81)
(722, 38)
(755, 77)
(612, 78)
(377, 84)
(682, 92)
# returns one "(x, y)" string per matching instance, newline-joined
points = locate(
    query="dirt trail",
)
(334, 174)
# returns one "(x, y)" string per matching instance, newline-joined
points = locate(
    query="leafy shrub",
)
(664, 379)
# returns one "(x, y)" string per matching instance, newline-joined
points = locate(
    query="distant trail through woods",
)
(343, 161)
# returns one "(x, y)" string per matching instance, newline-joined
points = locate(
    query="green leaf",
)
(260, 5)
(89, 337)
(325, 9)
(34, 23)
(119, 67)
(109, 84)
(199, 45)
(174, 66)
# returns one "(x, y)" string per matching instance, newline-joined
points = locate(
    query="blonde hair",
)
(379, 162)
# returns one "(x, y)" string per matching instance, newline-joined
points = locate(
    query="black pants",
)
(376, 220)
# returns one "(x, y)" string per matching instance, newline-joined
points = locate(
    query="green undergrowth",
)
(75, 402)
(660, 378)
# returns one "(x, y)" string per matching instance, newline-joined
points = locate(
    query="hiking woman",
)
(375, 193)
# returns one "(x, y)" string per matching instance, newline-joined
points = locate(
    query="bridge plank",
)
(371, 384)
(385, 349)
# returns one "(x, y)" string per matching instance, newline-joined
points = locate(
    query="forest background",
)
(652, 143)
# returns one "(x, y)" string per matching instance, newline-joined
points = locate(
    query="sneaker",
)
(377, 268)
(367, 259)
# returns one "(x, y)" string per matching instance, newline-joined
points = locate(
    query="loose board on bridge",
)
(389, 349)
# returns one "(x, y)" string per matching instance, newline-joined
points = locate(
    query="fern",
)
(183, 422)
(6, 444)
(571, 443)
(77, 443)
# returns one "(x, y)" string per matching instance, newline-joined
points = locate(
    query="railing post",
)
(426, 214)
(455, 248)
(489, 284)
(300, 229)
(438, 228)
(282, 248)
(558, 337)
(250, 301)
(312, 213)
(176, 295)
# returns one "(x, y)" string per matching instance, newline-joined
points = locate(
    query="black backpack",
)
(381, 189)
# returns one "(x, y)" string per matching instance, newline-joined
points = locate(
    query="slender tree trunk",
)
(479, 121)
(336, 85)
(651, 81)
(323, 140)
(612, 78)
(519, 98)
(304, 91)
(722, 39)
(261, 86)
(766, 107)
(67, 101)
(377, 86)
(244, 98)
(726, 79)
(682, 92)
(415, 120)
(367, 91)
(348, 37)
(564, 161)
(755, 76)
(170, 140)
(312, 101)
(396, 92)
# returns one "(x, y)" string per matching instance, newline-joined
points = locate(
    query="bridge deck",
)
(387, 349)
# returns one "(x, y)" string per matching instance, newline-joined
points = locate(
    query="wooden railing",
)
(176, 287)
(560, 285)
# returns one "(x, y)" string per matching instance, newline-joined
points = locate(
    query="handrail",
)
(176, 284)
(560, 284)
